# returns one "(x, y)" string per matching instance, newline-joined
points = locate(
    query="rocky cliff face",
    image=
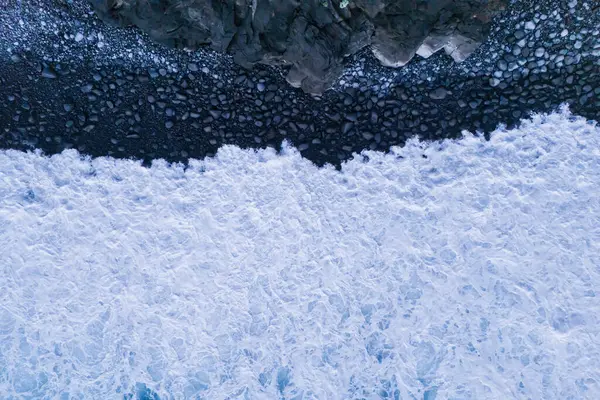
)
(313, 36)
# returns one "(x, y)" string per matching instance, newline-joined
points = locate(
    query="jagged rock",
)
(312, 36)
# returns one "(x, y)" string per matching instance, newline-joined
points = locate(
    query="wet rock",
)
(519, 34)
(460, 47)
(311, 37)
(347, 127)
(539, 52)
(438, 94)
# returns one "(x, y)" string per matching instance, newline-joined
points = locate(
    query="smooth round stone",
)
(438, 94)
(494, 82)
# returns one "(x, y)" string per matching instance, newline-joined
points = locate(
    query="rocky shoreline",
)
(70, 81)
(311, 37)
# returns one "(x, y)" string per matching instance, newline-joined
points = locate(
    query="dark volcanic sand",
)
(69, 81)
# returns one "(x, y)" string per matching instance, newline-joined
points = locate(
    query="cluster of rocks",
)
(314, 36)
(70, 81)
(149, 114)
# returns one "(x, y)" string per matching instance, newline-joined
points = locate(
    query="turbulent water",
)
(456, 270)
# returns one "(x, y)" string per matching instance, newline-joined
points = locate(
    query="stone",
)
(539, 52)
(49, 73)
(438, 94)
(87, 88)
(460, 47)
(431, 45)
(347, 127)
(312, 38)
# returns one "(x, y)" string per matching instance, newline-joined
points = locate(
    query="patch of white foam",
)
(472, 273)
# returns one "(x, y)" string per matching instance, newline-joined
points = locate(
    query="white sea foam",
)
(469, 274)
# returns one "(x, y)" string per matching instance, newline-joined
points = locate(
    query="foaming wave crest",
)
(462, 269)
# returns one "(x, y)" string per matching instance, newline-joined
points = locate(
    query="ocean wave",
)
(462, 269)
